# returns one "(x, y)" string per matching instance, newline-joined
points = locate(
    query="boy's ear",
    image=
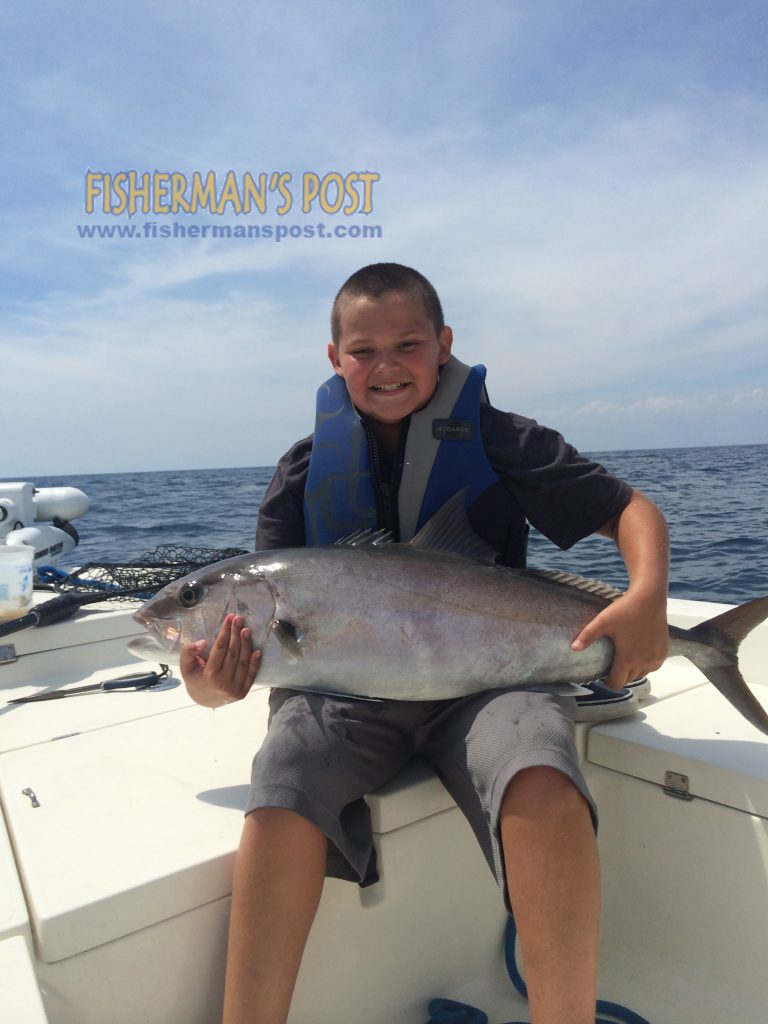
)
(333, 355)
(444, 342)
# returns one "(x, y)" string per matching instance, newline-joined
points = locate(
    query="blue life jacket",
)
(444, 454)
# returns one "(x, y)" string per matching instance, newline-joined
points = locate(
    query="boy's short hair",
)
(375, 280)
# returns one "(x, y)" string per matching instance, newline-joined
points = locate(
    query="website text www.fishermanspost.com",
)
(233, 195)
(150, 230)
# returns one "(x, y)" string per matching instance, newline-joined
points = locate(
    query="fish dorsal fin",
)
(450, 531)
(578, 582)
(364, 538)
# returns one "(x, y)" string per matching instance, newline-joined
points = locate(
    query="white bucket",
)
(15, 580)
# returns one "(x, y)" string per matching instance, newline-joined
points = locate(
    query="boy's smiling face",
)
(389, 355)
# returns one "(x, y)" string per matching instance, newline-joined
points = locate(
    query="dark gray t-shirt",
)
(544, 481)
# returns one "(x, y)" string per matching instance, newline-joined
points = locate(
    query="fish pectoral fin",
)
(289, 636)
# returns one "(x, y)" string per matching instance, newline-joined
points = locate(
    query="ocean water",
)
(715, 500)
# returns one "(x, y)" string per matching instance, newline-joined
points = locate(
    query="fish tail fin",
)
(726, 631)
(714, 652)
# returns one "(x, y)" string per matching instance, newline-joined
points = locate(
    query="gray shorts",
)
(322, 754)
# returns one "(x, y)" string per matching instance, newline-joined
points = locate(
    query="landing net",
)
(140, 578)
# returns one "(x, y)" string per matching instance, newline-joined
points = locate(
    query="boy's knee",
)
(281, 826)
(542, 791)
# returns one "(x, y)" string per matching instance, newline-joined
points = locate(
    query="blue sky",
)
(584, 182)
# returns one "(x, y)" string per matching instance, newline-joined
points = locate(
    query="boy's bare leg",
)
(553, 876)
(278, 881)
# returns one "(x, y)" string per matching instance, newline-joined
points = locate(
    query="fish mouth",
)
(147, 648)
(164, 636)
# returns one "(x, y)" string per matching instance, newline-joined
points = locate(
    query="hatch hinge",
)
(32, 796)
(7, 654)
(676, 785)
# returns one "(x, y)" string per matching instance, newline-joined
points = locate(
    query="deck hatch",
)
(694, 735)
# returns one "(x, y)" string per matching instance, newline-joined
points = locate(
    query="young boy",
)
(392, 426)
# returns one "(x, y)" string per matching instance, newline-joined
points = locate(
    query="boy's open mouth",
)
(397, 386)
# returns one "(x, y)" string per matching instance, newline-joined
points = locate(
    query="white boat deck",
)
(114, 890)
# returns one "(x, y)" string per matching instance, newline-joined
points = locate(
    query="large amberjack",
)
(431, 619)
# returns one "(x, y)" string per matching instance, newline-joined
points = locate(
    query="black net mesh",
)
(142, 577)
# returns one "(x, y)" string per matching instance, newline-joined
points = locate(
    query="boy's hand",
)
(638, 628)
(636, 622)
(229, 671)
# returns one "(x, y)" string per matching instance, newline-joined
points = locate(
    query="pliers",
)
(136, 681)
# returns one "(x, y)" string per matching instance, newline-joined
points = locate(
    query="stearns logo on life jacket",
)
(453, 430)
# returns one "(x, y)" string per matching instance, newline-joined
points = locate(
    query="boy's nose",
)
(386, 360)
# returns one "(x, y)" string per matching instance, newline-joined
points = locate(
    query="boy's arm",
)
(637, 621)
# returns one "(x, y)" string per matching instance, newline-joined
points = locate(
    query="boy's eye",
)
(365, 351)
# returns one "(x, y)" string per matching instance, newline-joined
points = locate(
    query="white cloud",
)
(717, 416)
(594, 227)
(653, 405)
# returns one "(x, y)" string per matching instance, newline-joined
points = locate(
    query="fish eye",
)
(190, 594)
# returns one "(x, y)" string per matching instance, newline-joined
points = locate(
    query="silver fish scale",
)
(403, 621)
(406, 624)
